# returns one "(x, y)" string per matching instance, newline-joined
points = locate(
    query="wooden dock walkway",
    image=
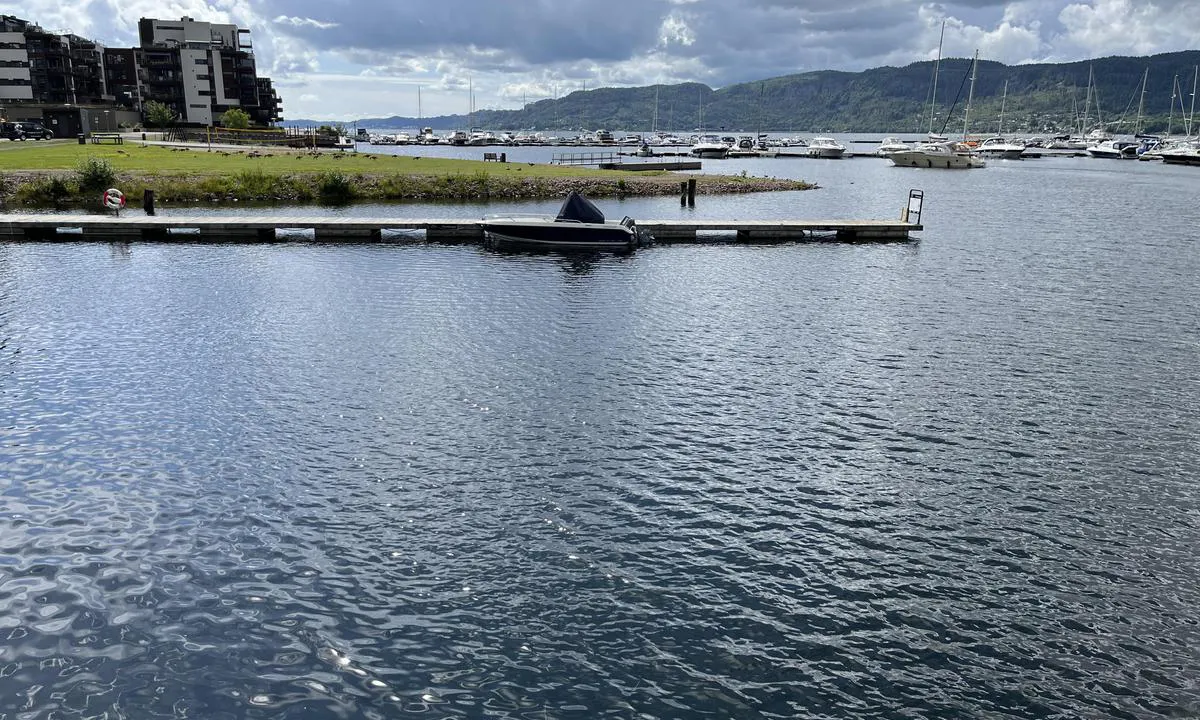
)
(238, 229)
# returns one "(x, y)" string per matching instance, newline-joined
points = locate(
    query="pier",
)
(240, 229)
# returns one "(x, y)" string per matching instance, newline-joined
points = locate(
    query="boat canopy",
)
(577, 208)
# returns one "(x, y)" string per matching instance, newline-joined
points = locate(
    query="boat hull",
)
(559, 237)
(914, 158)
(1181, 158)
(1005, 154)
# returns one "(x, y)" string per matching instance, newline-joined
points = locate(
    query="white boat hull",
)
(826, 153)
(922, 159)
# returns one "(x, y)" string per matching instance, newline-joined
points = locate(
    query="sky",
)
(342, 60)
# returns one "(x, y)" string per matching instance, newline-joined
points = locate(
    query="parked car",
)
(11, 131)
(34, 130)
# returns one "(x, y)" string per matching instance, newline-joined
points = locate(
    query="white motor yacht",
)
(1114, 149)
(826, 147)
(891, 145)
(1000, 148)
(710, 146)
(937, 155)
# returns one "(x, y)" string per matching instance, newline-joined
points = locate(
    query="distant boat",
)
(1000, 148)
(1183, 154)
(710, 146)
(937, 155)
(1114, 149)
(891, 145)
(826, 147)
(579, 226)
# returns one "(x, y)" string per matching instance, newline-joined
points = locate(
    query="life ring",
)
(113, 199)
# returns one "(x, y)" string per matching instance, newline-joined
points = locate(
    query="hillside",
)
(1040, 98)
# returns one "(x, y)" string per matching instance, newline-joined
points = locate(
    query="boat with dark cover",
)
(579, 225)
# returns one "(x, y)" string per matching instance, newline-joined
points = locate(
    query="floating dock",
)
(236, 229)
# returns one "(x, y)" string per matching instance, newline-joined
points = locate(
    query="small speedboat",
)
(579, 226)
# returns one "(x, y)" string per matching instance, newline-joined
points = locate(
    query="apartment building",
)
(16, 81)
(198, 69)
(202, 69)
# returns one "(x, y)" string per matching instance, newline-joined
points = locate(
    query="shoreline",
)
(266, 175)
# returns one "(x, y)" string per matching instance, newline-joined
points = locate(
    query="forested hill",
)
(1039, 98)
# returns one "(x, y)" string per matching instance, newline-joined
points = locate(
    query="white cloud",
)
(303, 21)
(675, 30)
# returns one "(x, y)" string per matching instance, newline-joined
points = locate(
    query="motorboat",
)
(1186, 153)
(710, 146)
(1000, 148)
(1117, 149)
(937, 155)
(825, 147)
(1151, 147)
(891, 145)
(579, 226)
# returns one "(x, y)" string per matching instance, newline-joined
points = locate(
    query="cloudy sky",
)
(346, 59)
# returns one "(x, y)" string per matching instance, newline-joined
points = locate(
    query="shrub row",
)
(94, 175)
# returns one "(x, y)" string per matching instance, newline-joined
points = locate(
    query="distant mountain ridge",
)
(1040, 98)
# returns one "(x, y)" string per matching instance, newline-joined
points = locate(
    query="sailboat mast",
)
(1137, 125)
(655, 128)
(970, 95)
(1099, 121)
(936, 66)
(1192, 112)
(1003, 99)
(1174, 94)
(1087, 105)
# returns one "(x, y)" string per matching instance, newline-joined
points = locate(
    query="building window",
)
(197, 105)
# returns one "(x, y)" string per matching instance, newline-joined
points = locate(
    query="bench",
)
(114, 138)
(491, 156)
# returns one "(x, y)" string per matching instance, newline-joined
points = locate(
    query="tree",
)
(235, 119)
(157, 114)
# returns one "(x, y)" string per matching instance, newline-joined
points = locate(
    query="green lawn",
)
(133, 157)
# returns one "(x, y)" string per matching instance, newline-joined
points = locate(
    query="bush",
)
(44, 192)
(93, 173)
(334, 187)
(255, 185)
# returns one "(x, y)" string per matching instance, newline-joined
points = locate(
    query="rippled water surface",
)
(941, 479)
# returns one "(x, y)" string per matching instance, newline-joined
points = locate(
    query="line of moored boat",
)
(935, 152)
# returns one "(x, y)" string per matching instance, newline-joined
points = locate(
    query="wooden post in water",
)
(691, 192)
(683, 187)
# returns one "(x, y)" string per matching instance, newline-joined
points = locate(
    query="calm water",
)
(942, 479)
